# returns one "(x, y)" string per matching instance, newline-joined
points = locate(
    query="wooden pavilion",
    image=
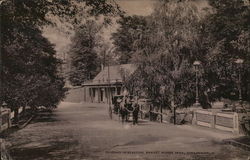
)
(107, 83)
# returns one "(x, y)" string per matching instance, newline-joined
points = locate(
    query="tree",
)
(165, 52)
(126, 35)
(89, 50)
(29, 71)
(84, 60)
(29, 67)
(176, 35)
(227, 29)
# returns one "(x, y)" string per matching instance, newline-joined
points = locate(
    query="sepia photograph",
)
(125, 79)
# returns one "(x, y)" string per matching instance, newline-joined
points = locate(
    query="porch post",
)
(106, 94)
(90, 98)
(99, 95)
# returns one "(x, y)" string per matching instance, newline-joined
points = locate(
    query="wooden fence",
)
(218, 120)
(5, 119)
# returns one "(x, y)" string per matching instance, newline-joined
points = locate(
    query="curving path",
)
(78, 131)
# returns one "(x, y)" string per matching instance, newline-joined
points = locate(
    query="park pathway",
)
(77, 131)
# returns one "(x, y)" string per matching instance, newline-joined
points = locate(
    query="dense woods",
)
(165, 44)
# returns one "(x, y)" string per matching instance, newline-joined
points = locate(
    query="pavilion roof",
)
(116, 74)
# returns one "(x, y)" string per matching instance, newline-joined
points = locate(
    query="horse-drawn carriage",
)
(129, 106)
(126, 106)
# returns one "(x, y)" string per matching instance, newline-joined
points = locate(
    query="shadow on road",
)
(45, 117)
(55, 149)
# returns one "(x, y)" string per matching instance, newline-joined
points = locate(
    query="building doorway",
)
(102, 94)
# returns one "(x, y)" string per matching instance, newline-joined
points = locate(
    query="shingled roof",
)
(116, 73)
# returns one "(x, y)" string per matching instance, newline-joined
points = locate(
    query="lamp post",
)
(196, 65)
(109, 93)
(1, 118)
(162, 92)
(240, 63)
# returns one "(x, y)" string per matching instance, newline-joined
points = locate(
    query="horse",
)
(126, 107)
(123, 109)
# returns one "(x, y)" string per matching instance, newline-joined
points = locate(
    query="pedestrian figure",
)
(136, 109)
(117, 105)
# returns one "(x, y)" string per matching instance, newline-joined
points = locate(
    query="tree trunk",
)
(24, 109)
(208, 103)
(16, 116)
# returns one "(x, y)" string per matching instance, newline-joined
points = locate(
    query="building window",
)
(93, 92)
(118, 90)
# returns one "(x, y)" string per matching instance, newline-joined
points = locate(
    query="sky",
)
(145, 7)
(131, 7)
(137, 7)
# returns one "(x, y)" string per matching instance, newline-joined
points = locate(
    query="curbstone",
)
(237, 144)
